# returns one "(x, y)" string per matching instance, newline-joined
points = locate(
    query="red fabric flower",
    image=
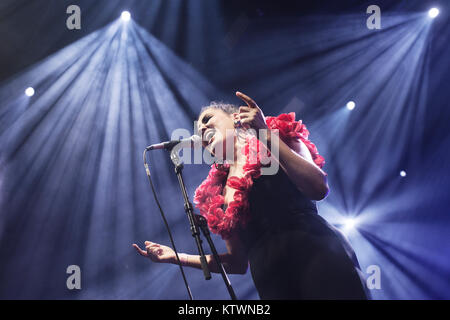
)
(290, 129)
(242, 184)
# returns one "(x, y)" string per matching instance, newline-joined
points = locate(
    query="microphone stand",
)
(197, 221)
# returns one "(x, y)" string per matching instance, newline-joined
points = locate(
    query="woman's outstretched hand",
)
(250, 116)
(156, 252)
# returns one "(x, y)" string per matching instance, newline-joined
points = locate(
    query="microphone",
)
(191, 142)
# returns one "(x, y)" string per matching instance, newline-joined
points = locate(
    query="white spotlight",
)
(125, 16)
(403, 173)
(351, 105)
(433, 12)
(29, 91)
(349, 223)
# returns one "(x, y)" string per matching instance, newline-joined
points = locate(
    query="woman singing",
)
(269, 222)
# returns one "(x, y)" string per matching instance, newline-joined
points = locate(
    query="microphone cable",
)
(147, 170)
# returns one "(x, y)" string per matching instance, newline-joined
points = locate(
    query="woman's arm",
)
(234, 261)
(294, 159)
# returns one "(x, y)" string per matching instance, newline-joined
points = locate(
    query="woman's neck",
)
(236, 167)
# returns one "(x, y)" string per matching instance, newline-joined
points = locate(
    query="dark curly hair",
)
(225, 107)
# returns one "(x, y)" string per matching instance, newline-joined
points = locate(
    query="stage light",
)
(433, 13)
(29, 91)
(351, 105)
(349, 223)
(403, 173)
(125, 16)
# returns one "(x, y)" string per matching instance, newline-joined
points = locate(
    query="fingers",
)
(149, 247)
(244, 116)
(151, 244)
(244, 120)
(244, 112)
(246, 123)
(243, 109)
(152, 248)
(249, 101)
(139, 250)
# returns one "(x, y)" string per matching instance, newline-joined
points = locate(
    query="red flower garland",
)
(290, 129)
(209, 200)
(208, 197)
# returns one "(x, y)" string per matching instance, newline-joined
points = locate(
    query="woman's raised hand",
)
(156, 252)
(250, 116)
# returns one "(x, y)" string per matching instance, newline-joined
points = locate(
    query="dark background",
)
(310, 57)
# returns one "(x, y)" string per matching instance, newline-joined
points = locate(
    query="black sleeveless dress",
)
(293, 252)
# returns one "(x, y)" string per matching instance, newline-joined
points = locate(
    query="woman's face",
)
(216, 127)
